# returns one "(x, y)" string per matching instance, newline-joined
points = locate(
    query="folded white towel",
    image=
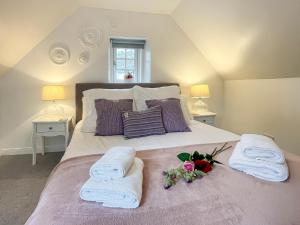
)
(114, 164)
(256, 146)
(124, 192)
(259, 168)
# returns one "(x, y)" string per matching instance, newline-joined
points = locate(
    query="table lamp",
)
(53, 93)
(200, 92)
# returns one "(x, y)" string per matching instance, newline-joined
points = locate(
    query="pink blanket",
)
(223, 197)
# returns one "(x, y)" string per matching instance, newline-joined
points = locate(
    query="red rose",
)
(203, 165)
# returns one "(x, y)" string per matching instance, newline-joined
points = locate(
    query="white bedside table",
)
(49, 126)
(205, 117)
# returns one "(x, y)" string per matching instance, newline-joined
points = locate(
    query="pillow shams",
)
(109, 116)
(142, 94)
(143, 123)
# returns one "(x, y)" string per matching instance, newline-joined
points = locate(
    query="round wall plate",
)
(91, 37)
(84, 57)
(59, 54)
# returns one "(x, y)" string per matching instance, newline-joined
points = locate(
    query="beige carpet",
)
(21, 185)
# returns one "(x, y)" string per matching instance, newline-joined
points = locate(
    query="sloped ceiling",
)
(241, 39)
(147, 6)
(23, 24)
(245, 39)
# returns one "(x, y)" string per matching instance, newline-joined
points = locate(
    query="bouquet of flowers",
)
(193, 166)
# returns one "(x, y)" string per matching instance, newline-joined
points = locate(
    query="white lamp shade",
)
(53, 92)
(200, 91)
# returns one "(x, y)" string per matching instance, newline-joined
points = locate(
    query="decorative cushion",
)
(172, 114)
(142, 94)
(109, 116)
(143, 123)
(90, 114)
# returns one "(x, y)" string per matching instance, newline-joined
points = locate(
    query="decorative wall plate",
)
(84, 57)
(59, 54)
(91, 37)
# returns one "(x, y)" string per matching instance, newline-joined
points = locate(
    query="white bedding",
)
(86, 143)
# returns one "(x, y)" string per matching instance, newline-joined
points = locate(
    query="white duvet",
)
(86, 143)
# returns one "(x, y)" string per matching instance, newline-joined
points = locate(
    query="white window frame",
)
(140, 60)
(137, 63)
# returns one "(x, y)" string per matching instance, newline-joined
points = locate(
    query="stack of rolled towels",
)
(259, 156)
(115, 180)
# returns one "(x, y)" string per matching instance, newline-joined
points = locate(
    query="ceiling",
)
(245, 39)
(23, 24)
(147, 6)
(241, 39)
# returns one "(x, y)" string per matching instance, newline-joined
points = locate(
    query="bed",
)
(224, 197)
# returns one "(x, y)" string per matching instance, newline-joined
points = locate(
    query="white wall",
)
(174, 59)
(265, 106)
(23, 24)
(245, 39)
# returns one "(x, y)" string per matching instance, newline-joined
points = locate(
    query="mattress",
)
(88, 144)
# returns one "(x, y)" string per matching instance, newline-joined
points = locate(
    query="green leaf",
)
(197, 156)
(199, 173)
(208, 157)
(184, 156)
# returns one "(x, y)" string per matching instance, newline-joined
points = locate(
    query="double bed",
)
(224, 196)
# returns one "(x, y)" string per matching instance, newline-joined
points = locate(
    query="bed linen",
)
(224, 197)
(86, 143)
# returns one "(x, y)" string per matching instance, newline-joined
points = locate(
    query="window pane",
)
(120, 64)
(130, 53)
(120, 74)
(121, 53)
(126, 60)
(130, 65)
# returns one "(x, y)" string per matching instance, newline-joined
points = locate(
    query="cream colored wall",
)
(268, 106)
(245, 39)
(174, 59)
(23, 24)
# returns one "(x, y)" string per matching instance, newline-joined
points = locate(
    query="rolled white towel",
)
(258, 168)
(124, 192)
(256, 146)
(114, 164)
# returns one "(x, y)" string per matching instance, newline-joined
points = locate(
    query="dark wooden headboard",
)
(80, 87)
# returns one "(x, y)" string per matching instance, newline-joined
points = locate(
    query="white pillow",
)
(142, 94)
(84, 108)
(89, 111)
(185, 109)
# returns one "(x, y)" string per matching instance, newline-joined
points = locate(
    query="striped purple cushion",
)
(143, 123)
(109, 116)
(172, 114)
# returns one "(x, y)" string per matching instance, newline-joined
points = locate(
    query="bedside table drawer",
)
(210, 120)
(53, 127)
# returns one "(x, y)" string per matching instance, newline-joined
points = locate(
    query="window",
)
(127, 60)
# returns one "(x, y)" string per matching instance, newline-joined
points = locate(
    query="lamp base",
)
(55, 109)
(200, 106)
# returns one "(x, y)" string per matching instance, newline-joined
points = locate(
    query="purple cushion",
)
(143, 123)
(172, 114)
(109, 116)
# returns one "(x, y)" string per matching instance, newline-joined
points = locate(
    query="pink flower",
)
(188, 166)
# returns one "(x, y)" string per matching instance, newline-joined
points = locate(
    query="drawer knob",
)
(50, 128)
